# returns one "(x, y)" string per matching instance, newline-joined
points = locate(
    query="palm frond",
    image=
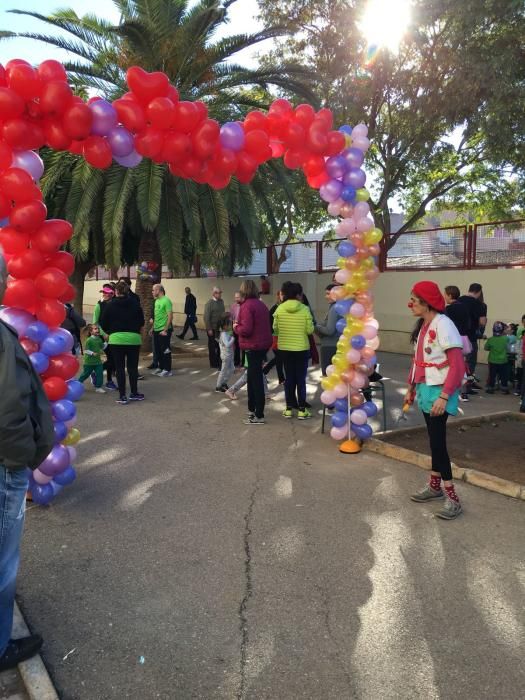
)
(117, 191)
(170, 229)
(149, 177)
(248, 215)
(232, 202)
(215, 220)
(86, 186)
(189, 202)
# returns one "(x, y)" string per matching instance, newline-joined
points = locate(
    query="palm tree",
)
(175, 216)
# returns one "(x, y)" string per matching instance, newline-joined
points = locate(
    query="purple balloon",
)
(66, 335)
(72, 453)
(129, 161)
(37, 331)
(369, 408)
(331, 190)
(104, 117)
(42, 493)
(358, 342)
(232, 136)
(340, 325)
(40, 361)
(354, 157)
(61, 431)
(53, 345)
(346, 249)
(336, 166)
(339, 419)
(120, 141)
(64, 410)
(56, 461)
(17, 319)
(364, 432)
(30, 162)
(66, 477)
(356, 178)
(75, 390)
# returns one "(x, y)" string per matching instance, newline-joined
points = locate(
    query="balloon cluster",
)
(355, 358)
(147, 271)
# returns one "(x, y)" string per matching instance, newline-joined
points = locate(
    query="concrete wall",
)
(504, 291)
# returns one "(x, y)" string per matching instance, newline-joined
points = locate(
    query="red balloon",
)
(130, 114)
(51, 283)
(28, 216)
(97, 152)
(191, 167)
(3, 79)
(68, 295)
(145, 85)
(294, 136)
(224, 162)
(278, 124)
(314, 165)
(64, 366)
(11, 104)
(325, 116)
(186, 117)
(16, 184)
(61, 228)
(277, 149)
(13, 242)
(255, 121)
(245, 163)
(5, 206)
(52, 70)
(50, 311)
(294, 159)
(55, 388)
(21, 294)
(336, 143)
(56, 137)
(63, 261)
(17, 133)
(76, 147)
(6, 155)
(29, 345)
(280, 107)
(161, 113)
(205, 138)
(176, 147)
(51, 235)
(149, 144)
(77, 121)
(202, 111)
(256, 143)
(173, 94)
(26, 264)
(24, 80)
(316, 181)
(304, 115)
(317, 139)
(55, 98)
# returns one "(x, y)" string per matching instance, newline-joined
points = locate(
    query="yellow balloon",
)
(348, 140)
(341, 263)
(373, 236)
(340, 363)
(325, 383)
(362, 195)
(72, 437)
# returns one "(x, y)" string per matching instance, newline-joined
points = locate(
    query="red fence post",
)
(269, 259)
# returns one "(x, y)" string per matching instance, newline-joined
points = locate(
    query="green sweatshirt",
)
(497, 347)
(95, 344)
(292, 324)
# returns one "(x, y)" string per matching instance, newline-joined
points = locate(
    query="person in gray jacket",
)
(213, 314)
(26, 438)
(327, 332)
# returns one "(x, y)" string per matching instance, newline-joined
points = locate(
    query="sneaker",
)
(303, 415)
(100, 390)
(427, 494)
(254, 421)
(111, 386)
(165, 373)
(19, 650)
(180, 337)
(141, 376)
(287, 413)
(156, 372)
(451, 509)
(220, 389)
(250, 414)
(472, 391)
(517, 393)
(123, 400)
(307, 405)
(195, 338)
(464, 397)
(136, 397)
(231, 394)
(93, 378)
(476, 385)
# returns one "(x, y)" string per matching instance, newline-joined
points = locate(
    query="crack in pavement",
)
(325, 601)
(243, 625)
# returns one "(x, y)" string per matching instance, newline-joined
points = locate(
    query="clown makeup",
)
(417, 306)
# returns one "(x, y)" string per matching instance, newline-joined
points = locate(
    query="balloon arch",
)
(37, 108)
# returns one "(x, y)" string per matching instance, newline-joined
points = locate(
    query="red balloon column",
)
(37, 108)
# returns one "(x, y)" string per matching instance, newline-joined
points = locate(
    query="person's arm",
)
(169, 319)
(309, 322)
(96, 313)
(276, 323)
(487, 345)
(328, 328)
(244, 325)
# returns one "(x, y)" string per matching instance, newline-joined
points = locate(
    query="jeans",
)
(163, 349)
(88, 370)
(187, 325)
(214, 352)
(295, 369)
(256, 398)
(13, 487)
(501, 371)
(437, 433)
(126, 355)
(227, 370)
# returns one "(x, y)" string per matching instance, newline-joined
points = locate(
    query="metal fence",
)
(486, 245)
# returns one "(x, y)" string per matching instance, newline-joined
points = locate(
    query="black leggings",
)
(437, 433)
(126, 355)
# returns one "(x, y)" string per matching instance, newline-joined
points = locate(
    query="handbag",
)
(467, 345)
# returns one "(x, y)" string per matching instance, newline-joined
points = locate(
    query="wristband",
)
(445, 398)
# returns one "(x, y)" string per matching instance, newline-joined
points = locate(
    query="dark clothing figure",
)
(190, 309)
(73, 322)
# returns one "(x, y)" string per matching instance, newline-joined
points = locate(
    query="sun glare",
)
(384, 23)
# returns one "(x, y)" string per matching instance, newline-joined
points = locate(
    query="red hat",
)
(430, 293)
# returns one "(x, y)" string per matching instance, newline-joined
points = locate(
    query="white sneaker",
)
(156, 372)
(100, 390)
(165, 373)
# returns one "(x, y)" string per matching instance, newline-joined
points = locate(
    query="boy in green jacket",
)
(93, 362)
(292, 324)
(498, 360)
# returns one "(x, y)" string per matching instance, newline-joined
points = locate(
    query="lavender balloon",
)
(17, 319)
(336, 166)
(104, 117)
(72, 453)
(55, 462)
(129, 161)
(37, 331)
(30, 162)
(354, 157)
(40, 361)
(356, 178)
(331, 190)
(232, 136)
(66, 477)
(120, 141)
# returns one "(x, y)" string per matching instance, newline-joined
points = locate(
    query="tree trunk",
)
(77, 279)
(148, 252)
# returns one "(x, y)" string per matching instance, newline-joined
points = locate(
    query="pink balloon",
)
(353, 356)
(341, 391)
(346, 210)
(330, 370)
(357, 310)
(374, 343)
(359, 131)
(343, 276)
(361, 210)
(369, 332)
(359, 381)
(345, 227)
(373, 322)
(358, 417)
(334, 208)
(328, 397)
(41, 478)
(365, 224)
(367, 353)
(339, 433)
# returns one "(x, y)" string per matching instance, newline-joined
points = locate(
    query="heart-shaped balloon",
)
(146, 85)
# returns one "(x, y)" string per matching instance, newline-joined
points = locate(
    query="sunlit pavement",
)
(196, 557)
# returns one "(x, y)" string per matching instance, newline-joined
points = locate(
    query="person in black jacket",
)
(190, 309)
(26, 438)
(122, 319)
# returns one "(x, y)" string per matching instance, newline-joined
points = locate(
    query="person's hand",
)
(438, 407)
(409, 397)
(210, 332)
(150, 332)
(164, 332)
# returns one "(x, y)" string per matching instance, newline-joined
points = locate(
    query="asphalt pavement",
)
(196, 557)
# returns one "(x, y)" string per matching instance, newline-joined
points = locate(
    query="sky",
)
(242, 19)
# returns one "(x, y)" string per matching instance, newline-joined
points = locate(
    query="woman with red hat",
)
(436, 375)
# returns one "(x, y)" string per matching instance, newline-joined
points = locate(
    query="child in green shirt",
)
(93, 363)
(498, 359)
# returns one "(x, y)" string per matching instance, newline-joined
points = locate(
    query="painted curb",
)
(34, 674)
(470, 476)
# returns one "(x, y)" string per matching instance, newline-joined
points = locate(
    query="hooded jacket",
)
(253, 326)
(292, 324)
